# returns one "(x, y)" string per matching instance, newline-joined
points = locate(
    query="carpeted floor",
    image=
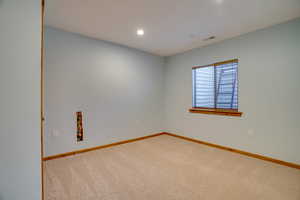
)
(168, 168)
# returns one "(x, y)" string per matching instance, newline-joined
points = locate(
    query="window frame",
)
(217, 111)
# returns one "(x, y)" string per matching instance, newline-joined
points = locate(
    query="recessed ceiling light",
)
(140, 32)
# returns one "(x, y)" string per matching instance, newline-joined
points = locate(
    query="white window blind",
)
(216, 86)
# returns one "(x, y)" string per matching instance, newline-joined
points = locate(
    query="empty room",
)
(150, 100)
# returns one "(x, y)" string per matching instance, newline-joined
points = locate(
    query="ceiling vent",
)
(209, 38)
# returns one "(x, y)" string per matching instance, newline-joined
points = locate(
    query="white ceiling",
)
(171, 26)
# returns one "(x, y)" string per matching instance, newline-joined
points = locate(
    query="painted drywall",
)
(269, 93)
(20, 151)
(119, 90)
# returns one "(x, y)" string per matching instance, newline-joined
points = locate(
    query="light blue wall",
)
(269, 93)
(119, 90)
(20, 46)
(123, 92)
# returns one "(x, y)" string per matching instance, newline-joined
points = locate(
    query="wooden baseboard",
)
(265, 158)
(99, 147)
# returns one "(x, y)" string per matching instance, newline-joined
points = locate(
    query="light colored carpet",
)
(168, 168)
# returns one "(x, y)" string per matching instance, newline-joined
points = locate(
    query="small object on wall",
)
(79, 126)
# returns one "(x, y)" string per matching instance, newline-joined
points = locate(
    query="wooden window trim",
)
(216, 111)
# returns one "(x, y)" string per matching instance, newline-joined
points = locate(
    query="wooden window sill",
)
(216, 111)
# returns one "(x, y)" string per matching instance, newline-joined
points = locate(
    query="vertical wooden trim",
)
(215, 87)
(42, 96)
(194, 88)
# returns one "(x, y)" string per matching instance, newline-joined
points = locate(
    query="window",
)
(215, 88)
